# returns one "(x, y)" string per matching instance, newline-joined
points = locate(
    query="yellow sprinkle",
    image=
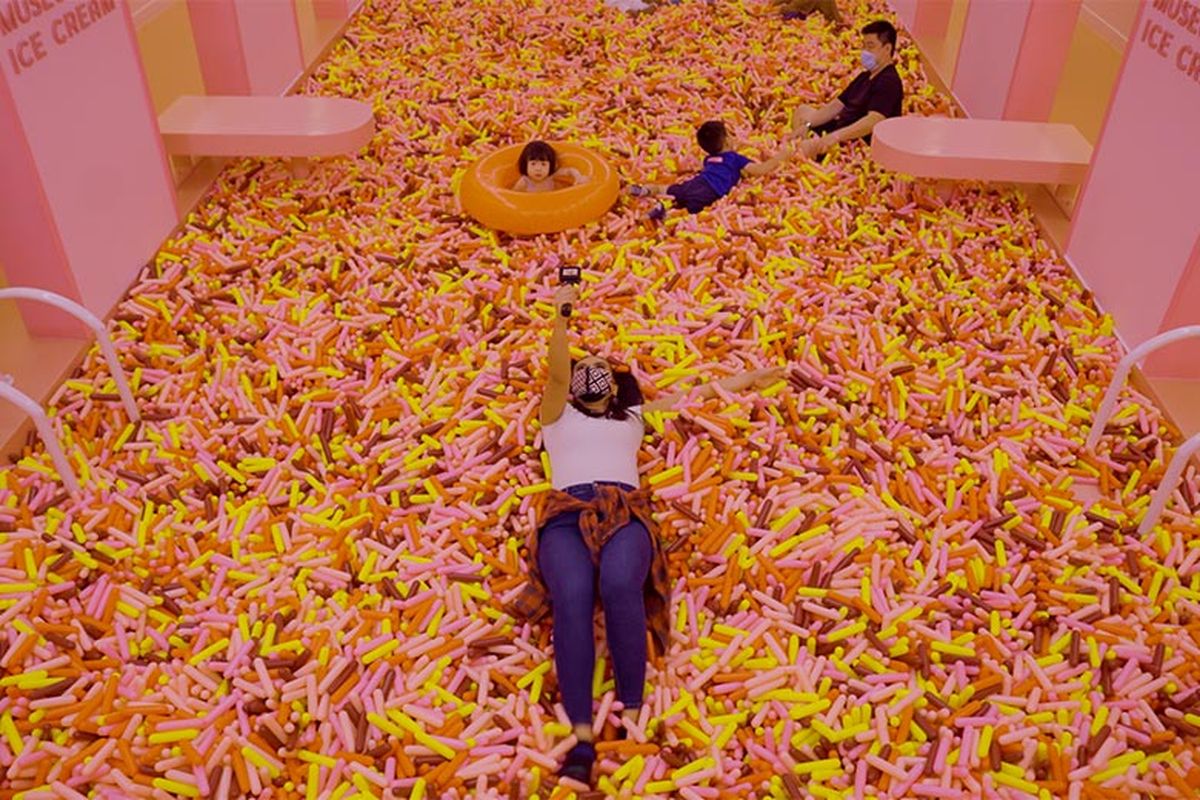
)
(175, 787)
(209, 651)
(317, 758)
(1005, 779)
(985, 741)
(259, 760)
(9, 730)
(846, 632)
(312, 781)
(181, 735)
(694, 766)
(1099, 720)
(665, 475)
(952, 649)
(380, 651)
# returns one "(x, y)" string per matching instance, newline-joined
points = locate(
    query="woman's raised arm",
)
(558, 383)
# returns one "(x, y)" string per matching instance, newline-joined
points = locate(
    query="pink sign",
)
(1136, 227)
(85, 192)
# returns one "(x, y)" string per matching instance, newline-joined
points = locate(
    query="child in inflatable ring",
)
(722, 170)
(538, 165)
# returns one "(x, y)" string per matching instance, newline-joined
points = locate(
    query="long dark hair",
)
(537, 151)
(629, 394)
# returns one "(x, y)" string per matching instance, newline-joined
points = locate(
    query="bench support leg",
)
(181, 168)
(942, 188)
(301, 167)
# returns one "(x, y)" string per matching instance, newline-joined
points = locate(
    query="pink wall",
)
(219, 47)
(1136, 226)
(906, 12)
(248, 46)
(932, 18)
(332, 9)
(1004, 58)
(988, 54)
(1040, 61)
(84, 184)
(271, 44)
(1179, 360)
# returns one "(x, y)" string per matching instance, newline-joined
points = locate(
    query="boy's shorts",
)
(694, 194)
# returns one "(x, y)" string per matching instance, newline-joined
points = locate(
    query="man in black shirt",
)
(872, 96)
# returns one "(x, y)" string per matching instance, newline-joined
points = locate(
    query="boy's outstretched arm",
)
(770, 165)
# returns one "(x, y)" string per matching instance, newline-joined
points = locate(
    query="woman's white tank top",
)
(586, 449)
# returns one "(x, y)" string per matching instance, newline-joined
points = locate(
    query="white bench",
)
(290, 127)
(982, 149)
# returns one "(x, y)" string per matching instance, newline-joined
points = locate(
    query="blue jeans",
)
(566, 565)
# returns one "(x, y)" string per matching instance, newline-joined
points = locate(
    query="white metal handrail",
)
(33, 408)
(44, 428)
(1123, 369)
(1170, 480)
(1166, 486)
(92, 321)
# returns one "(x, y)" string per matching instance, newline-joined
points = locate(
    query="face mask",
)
(590, 384)
(868, 60)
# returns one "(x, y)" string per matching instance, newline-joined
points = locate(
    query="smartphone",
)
(569, 276)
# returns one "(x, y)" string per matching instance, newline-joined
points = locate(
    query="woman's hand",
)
(565, 295)
(755, 379)
(752, 379)
(762, 378)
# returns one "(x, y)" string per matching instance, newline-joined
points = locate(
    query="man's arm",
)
(857, 130)
(808, 117)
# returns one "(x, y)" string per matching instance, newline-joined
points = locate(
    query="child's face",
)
(537, 170)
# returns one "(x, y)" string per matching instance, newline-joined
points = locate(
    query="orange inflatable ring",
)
(485, 194)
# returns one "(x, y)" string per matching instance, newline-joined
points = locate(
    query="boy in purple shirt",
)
(722, 170)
